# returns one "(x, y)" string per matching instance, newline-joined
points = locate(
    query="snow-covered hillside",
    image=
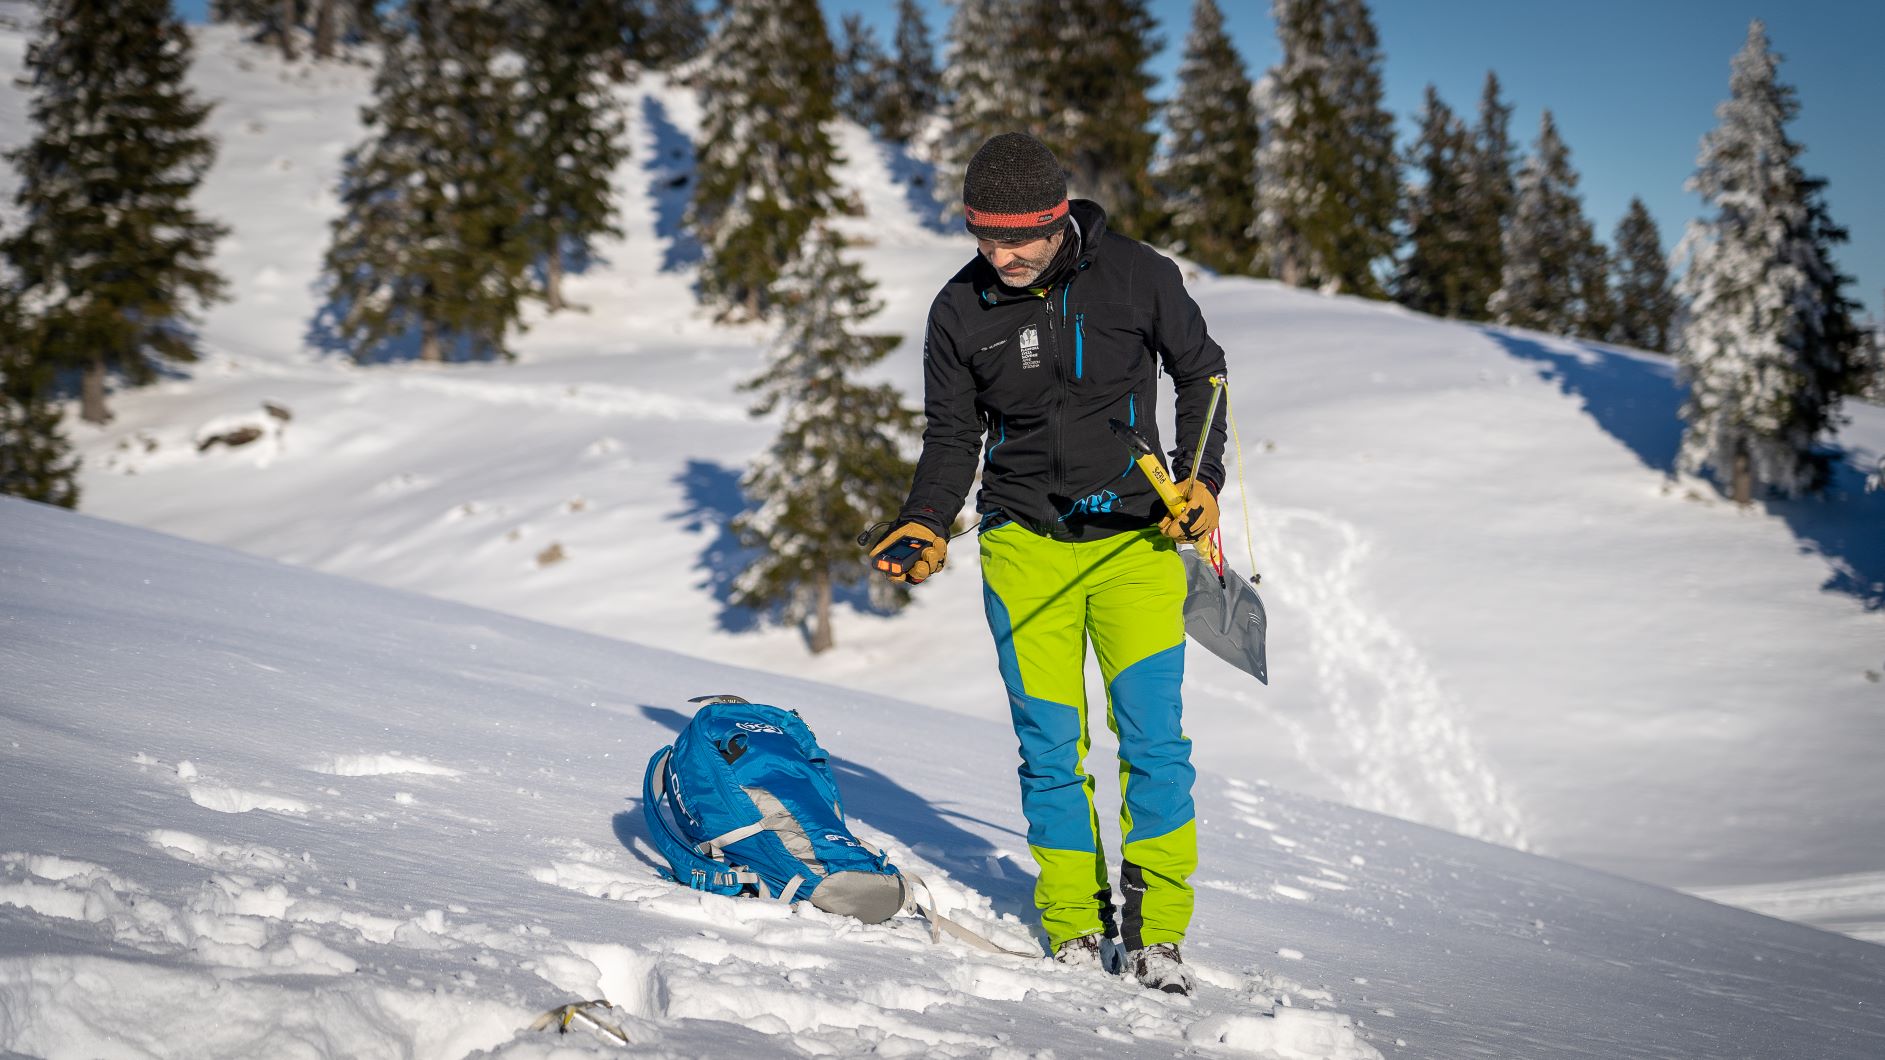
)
(252, 810)
(1491, 609)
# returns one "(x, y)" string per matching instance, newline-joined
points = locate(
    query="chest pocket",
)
(1013, 367)
(1110, 350)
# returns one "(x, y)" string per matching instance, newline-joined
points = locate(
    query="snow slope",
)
(1492, 609)
(254, 810)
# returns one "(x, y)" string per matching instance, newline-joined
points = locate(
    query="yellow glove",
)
(1200, 516)
(911, 565)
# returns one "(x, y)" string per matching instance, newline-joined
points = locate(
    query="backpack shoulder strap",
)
(939, 921)
(689, 867)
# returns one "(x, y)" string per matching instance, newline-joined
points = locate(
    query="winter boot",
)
(1158, 967)
(1083, 952)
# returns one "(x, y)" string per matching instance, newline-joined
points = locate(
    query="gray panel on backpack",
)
(869, 896)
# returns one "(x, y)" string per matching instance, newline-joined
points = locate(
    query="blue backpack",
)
(743, 802)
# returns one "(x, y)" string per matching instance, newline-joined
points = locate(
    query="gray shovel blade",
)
(1226, 618)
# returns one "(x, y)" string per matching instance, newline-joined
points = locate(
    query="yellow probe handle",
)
(1154, 469)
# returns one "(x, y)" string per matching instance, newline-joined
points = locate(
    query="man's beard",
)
(1036, 270)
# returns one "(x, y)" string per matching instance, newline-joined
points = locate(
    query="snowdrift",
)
(252, 810)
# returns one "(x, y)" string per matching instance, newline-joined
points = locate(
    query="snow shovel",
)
(1222, 609)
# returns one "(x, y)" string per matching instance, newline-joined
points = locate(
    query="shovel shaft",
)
(1154, 469)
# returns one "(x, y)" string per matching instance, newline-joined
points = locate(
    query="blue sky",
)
(1633, 85)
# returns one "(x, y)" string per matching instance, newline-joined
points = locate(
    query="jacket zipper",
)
(1060, 380)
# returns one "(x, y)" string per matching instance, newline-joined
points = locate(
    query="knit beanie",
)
(1014, 189)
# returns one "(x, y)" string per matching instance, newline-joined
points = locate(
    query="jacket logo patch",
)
(1030, 347)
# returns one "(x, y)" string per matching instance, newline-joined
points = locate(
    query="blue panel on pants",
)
(1146, 710)
(1053, 793)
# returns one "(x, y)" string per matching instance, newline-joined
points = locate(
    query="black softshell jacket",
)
(1024, 384)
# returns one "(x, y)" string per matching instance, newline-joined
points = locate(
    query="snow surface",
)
(255, 810)
(1492, 608)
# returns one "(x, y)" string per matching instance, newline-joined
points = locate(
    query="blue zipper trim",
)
(1132, 410)
(1079, 343)
(990, 458)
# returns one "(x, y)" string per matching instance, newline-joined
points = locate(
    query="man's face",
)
(1020, 261)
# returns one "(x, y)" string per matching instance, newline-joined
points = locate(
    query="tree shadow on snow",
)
(670, 172)
(713, 499)
(325, 336)
(1634, 398)
(918, 180)
(1637, 400)
(1846, 527)
(928, 828)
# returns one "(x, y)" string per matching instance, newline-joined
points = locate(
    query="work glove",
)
(915, 567)
(1200, 516)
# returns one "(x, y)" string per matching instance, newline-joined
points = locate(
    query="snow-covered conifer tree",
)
(1488, 198)
(841, 455)
(863, 81)
(1327, 173)
(572, 126)
(36, 460)
(431, 240)
(1094, 105)
(989, 87)
(110, 257)
(915, 85)
(1209, 173)
(1645, 302)
(1440, 259)
(765, 156)
(1767, 346)
(329, 23)
(1871, 362)
(671, 32)
(1549, 249)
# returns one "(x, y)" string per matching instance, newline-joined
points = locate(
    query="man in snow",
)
(1057, 327)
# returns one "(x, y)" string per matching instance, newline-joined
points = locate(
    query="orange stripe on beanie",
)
(1014, 220)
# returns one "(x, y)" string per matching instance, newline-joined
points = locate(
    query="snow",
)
(137, 921)
(1493, 609)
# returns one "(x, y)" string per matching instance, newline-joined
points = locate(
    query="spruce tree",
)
(1209, 177)
(862, 85)
(671, 32)
(110, 256)
(36, 460)
(1488, 195)
(1596, 301)
(1551, 257)
(1328, 179)
(272, 21)
(573, 128)
(915, 86)
(329, 23)
(1436, 274)
(1768, 346)
(1093, 105)
(1870, 377)
(1646, 304)
(765, 156)
(840, 457)
(431, 240)
(989, 87)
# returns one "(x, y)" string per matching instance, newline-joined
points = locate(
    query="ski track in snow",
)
(1411, 751)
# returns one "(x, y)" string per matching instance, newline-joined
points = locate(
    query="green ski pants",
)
(1126, 594)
